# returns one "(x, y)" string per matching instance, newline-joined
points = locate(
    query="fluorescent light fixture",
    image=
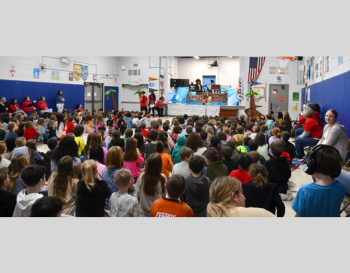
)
(230, 56)
(196, 57)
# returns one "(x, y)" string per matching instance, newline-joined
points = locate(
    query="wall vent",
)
(134, 72)
(136, 65)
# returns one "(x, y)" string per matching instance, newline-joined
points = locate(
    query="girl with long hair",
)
(61, 127)
(227, 200)
(150, 184)
(91, 192)
(34, 156)
(287, 122)
(96, 153)
(99, 122)
(133, 157)
(18, 163)
(263, 148)
(195, 143)
(262, 194)
(10, 146)
(96, 139)
(63, 184)
(140, 142)
(40, 128)
(89, 124)
(163, 137)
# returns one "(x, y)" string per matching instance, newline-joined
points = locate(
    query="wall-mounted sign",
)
(279, 79)
(77, 72)
(55, 75)
(84, 72)
(275, 91)
(152, 79)
(295, 96)
(115, 79)
(12, 71)
(36, 73)
(151, 84)
(282, 98)
(71, 76)
(134, 82)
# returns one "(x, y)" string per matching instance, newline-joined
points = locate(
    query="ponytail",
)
(89, 172)
(216, 210)
(259, 174)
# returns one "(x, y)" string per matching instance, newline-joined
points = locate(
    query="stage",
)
(175, 109)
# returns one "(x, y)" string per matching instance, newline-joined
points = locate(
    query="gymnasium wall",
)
(333, 93)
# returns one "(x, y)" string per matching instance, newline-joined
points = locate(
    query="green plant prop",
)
(110, 92)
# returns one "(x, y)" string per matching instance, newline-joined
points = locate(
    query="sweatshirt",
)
(7, 203)
(216, 169)
(70, 127)
(24, 203)
(279, 171)
(197, 194)
(30, 133)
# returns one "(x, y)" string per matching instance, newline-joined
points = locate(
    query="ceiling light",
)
(230, 56)
(196, 57)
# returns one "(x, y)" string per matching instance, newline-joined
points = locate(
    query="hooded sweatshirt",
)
(148, 122)
(279, 171)
(25, 203)
(180, 143)
(197, 194)
(335, 137)
(128, 121)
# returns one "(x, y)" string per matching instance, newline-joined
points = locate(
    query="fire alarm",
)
(42, 67)
(107, 75)
(95, 77)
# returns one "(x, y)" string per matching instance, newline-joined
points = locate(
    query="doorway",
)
(278, 98)
(206, 80)
(93, 96)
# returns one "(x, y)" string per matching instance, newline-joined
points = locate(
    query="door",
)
(278, 101)
(206, 81)
(93, 96)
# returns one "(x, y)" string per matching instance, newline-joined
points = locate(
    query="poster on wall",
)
(340, 60)
(71, 76)
(316, 69)
(327, 64)
(279, 79)
(36, 73)
(261, 91)
(55, 75)
(295, 96)
(12, 71)
(77, 72)
(84, 72)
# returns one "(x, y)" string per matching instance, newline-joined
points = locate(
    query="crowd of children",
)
(134, 166)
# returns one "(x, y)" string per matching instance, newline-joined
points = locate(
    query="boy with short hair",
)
(171, 206)
(70, 125)
(34, 177)
(11, 127)
(182, 167)
(150, 146)
(50, 131)
(177, 130)
(78, 133)
(216, 167)
(189, 130)
(197, 187)
(166, 159)
(279, 170)
(7, 199)
(47, 206)
(121, 203)
(244, 149)
(231, 164)
(253, 147)
(144, 131)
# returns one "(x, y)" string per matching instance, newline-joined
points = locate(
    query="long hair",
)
(99, 120)
(19, 162)
(220, 193)
(259, 174)
(152, 175)
(12, 101)
(64, 176)
(67, 146)
(260, 138)
(96, 153)
(29, 125)
(140, 142)
(31, 145)
(163, 137)
(95, 139)
(59, 120)
(130, 154)
(58, 93)
(89, 170)
(87, 145)
(114, 158)
(194, 142)
(286, 116)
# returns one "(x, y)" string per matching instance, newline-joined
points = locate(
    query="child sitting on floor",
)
(216, 167)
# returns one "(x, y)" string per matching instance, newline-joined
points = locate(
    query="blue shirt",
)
(314, 200)
(269, 124)
(10, 134)
(110, 182)
(58, 99)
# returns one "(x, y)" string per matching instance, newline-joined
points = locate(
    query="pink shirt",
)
(228, 138)
(134, 167)
(100, 168)
(98, 126)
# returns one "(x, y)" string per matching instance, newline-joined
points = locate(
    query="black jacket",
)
(231, 164)
(266, 197)
(290, 149)
(197, 194)
(92, 203)
(279, 172)
(199, 89)
(51, 131)
(4, 107)
(20, 132)
(7, 203)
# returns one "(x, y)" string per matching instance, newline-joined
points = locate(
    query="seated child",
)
(11, 133)
(166, 159)
(176, 132)
(70, 125)
(216, 167)
(182, 167)
(20, 130)
(269, 122)
(50, 131)
(144, 131)
(47, 206)
(150, 147)
(231, 164)
(242, 174)
(34, 177)
(249, 129)
(29, 131)
(253, 147)
(279, 170)
(40, 128)
(265, 130)
(7, 199)
(324, 197)
(78, 133)
(255, 156)
(197, 187)
(171, 206)
(244, 149)
(290, 148)
(121, 203)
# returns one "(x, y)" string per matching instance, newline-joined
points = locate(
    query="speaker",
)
(173, 83)
(179, 83)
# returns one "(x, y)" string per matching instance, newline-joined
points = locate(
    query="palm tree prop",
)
(110, 92)
(138, 92)
(251, 112)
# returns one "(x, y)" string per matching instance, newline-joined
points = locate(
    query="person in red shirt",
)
(152, 101)
(311, 135)
(144, 131)
(27, 106)
(242, 174)
(171, 206)
(15, 109)
(70, 125)
(166, 159)
(143, 101)
(29, 131)
(42, 106)
(80, 107)
(160, 106)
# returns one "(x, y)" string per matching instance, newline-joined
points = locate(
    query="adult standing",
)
(143, 101)
(334, 134)
(160, 106)
(42, 106)
(4, 107)
(152, 101)
(199, 87)
(59, 101)
(210, 86)
(311, 135)
(14, 107)
(27, 106)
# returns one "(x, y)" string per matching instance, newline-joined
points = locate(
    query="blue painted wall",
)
(72, 93)
(333, 93)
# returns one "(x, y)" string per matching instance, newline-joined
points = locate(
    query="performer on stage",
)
(199, 87)
(152, 101)
(209, 88)
(143, 101)
(160, 106)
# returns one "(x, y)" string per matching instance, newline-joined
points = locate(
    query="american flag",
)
(255, 66)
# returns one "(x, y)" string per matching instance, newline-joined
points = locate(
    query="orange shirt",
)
(167, 162)
(164, 207)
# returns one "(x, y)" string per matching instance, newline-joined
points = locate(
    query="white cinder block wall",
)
(290, 79)
(26, 64)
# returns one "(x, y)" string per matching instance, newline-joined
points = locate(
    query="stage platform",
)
(209, 110)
